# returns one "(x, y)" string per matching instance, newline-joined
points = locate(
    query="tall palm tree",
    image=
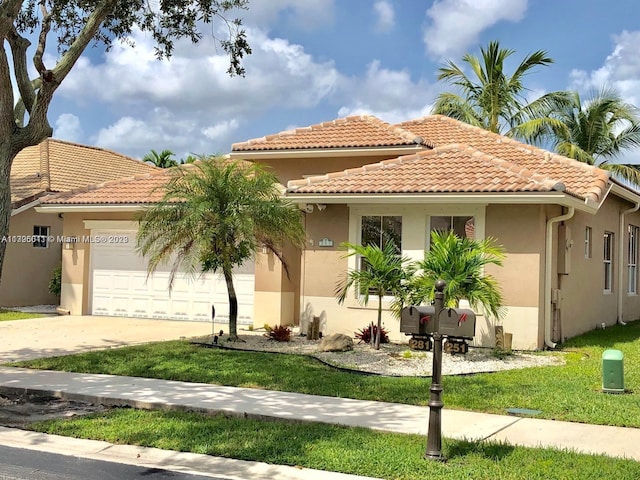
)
(213, 217)
(595, 131)
(460, 262)
(161, 160)
(383, 272)
(491, 99)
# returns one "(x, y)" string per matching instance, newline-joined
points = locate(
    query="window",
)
(608, 262)
(587, 242)
(40, 236)
(378, 230)
(632, 266)
(461, 226)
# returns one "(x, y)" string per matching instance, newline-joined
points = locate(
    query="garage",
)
(120, 286)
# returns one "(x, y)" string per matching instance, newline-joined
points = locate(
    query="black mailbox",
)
(457, 322)
(417, 320)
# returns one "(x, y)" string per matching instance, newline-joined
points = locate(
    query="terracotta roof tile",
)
(135, 190)
(453, 168)
(581, 180)
(138, 189)
(57, 166)
(350, 132)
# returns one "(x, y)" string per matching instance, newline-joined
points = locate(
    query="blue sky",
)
(317, 60)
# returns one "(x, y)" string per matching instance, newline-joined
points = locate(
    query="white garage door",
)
(120, 285)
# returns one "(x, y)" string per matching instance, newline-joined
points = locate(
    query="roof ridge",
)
(547, 182)
(404, 134)
(549, 155)
(396, 129)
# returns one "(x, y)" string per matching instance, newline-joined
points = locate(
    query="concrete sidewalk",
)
(150, 393)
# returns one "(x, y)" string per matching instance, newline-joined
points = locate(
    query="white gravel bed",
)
(398, 359)
(46, 309)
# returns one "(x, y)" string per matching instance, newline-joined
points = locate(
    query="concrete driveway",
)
(52, 336)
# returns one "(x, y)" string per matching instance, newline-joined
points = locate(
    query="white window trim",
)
(608, 263)
(588, 242)
(632, 278)
(415, 234)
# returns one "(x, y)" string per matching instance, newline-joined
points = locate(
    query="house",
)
(34, 241)
(569, 230)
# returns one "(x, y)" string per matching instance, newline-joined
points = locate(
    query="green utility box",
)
(612, 371)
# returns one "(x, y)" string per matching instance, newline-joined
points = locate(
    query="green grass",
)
(334, 448)
(6, 315)
(569, 392)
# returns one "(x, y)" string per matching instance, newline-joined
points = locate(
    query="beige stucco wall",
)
(75, 260)
(520, 229)
(585, 305)
(27, 270)
(296, 168)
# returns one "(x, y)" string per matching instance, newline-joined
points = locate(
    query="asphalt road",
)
(22, 464)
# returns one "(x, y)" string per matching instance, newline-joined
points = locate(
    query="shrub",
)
(55, 284)
(279, 333)
(364, 334)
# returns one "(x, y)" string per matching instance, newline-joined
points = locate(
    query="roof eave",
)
(62, 208)
(557, 198)
(325, 152)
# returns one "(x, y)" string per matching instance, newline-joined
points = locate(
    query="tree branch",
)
(9, 10)
(42, 40)
(19, 46)
(71, 56)
(6, 99)
(38, 126)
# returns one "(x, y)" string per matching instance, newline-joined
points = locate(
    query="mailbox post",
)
(434, 434)
(426, 323)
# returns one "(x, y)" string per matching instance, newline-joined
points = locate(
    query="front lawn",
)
(569, 392)
(328, 447)
(6, 315)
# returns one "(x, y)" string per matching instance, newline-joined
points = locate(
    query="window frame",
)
(588, 242)
(632, 259)
(360, 259)
(607, 259)
(43, 241)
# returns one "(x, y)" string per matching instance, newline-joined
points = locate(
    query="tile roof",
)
(581, 180)
(453, 168)
(135, 190)
(57, 166)
(350, 132)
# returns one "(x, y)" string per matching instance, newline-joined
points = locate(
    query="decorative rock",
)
(336, 343)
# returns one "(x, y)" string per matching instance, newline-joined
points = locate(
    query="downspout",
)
(547, 274)
(621, 259)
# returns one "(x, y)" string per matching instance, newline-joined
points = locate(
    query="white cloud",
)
(390, 95)
(193, 90)
(221, 129)
(68, 127)
(454, 25)
(620, 70)
(385, 15)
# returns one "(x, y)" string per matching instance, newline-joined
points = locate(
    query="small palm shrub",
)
(364, 334)
(279, 333)
(55, 284)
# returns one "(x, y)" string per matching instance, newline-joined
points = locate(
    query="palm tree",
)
(492, 100)
(383, 272)
(594, 131)
(161, 160)
(214, 216)
(460, 262)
